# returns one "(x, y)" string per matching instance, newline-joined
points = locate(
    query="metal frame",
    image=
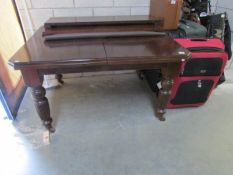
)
(5, 106)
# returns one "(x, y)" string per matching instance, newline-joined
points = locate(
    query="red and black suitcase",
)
(208, 57)
(199, 75)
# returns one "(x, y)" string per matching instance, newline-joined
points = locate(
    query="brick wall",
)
(40, 10)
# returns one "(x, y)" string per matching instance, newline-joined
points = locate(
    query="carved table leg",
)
(163, 97)
(169, 72)
(42, 107)
(59, 78)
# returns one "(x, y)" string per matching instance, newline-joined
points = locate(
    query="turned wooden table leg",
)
(34, 80)
(169, 72)
(59, 78)
(42, 106)
(163, 98)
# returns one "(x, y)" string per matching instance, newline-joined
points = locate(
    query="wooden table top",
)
(41, 54)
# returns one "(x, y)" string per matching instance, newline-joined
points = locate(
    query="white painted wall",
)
(41, 10)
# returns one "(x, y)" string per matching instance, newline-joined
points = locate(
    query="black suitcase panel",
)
(193, 92)
(203, 67)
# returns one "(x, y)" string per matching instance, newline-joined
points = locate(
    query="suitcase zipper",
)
(205, 49)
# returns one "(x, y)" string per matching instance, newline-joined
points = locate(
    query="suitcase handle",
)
(199, 39)
(205, 49)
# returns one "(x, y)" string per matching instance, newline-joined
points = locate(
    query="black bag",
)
(200, 6)
(152, 77)
(218, 27)
(227, 42)
(227, 39)
(194, 9)
(189, 29)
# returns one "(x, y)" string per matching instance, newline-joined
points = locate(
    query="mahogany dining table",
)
(60, 54)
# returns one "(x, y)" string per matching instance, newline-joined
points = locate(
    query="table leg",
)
(34, 80)
(163, 97)
(42, 106)
(169, 72)
(59, 78)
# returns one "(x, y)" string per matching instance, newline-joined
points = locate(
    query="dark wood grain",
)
(101, 35)
(39, 57)
(42, 107)
(82, 52)
(101, 24)
(144, 50)
(100, 20)
(169, 72)
(34, 80)
(101, 28)
(169, 11)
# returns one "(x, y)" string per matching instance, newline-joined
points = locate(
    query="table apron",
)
(66, 70)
